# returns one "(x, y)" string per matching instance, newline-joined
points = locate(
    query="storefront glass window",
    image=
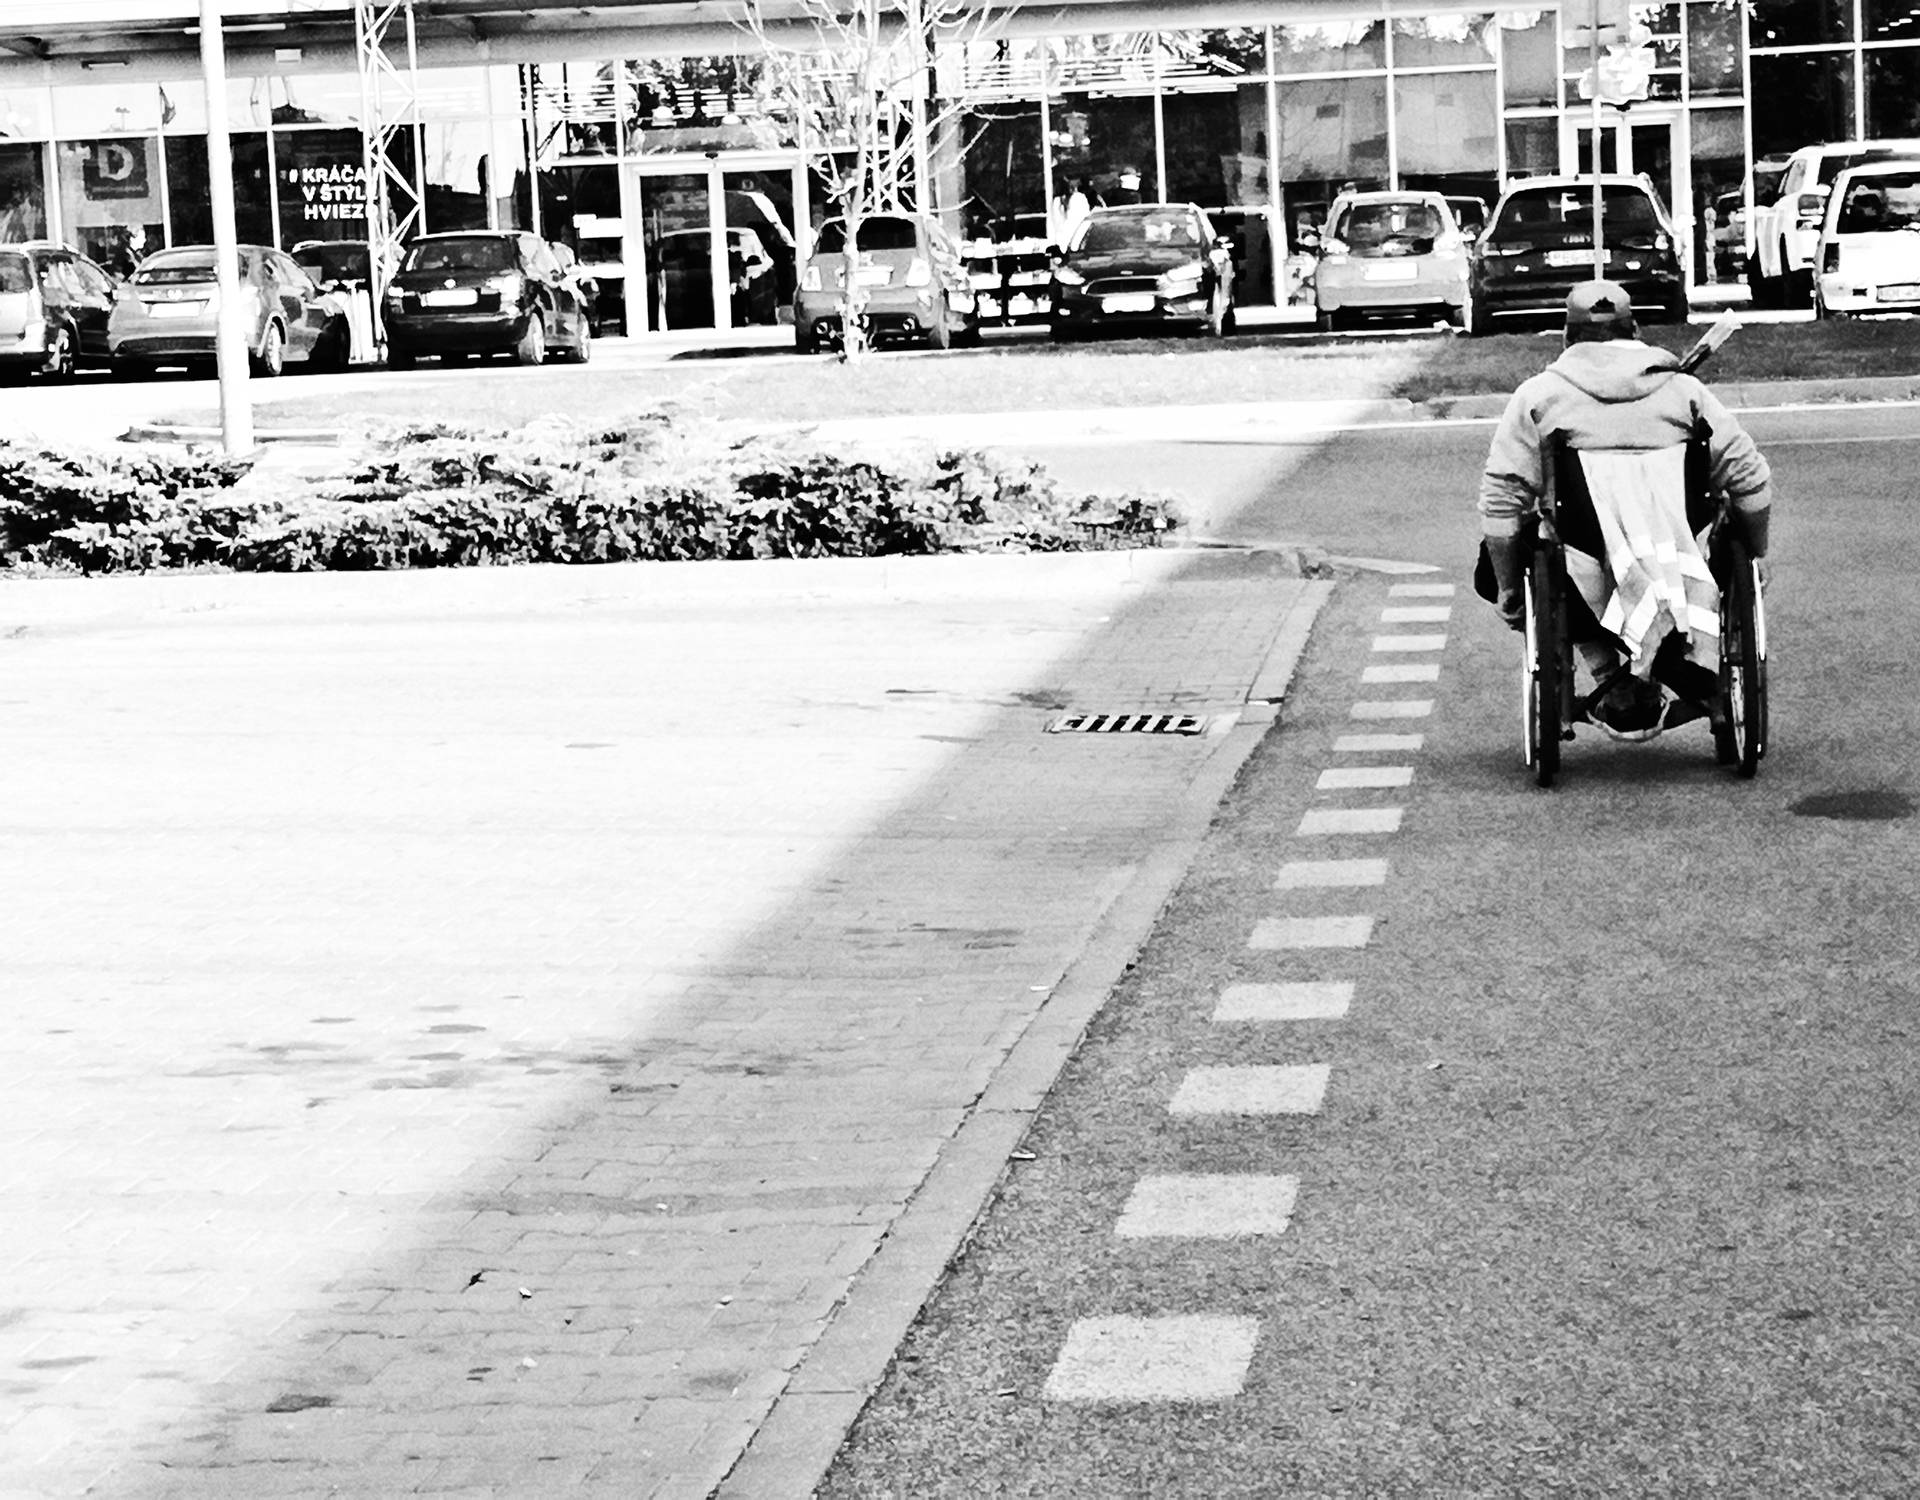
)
(110, 199)
(720, 103)
(1718, 184)
(452, 93)
(87, 110)
(1216, 145)
(316, 99)
(1533, 148)
(322, 185)
(1892, 21)
(183, 106)
(23, 197)
(23, 113)
(1005, 194)
(1716, 34)
(1333, 129)
(1120, 59)
(1893, 93)
(577, 108)
(1530, 55)
(1442, 41)
(457, 173)
(1799, 23)
(1330, 46)
(1820, 84)
(507, 174)
(1221, 52)
(1099, 140)
(1446, 128)
(580, 208)
(189, 204)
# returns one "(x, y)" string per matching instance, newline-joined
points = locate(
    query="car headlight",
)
(1184, 275)
(1067, 276)
(810, 278)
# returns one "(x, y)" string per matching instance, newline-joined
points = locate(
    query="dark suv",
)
(53, 311)
(1539, 246)
(487, 292)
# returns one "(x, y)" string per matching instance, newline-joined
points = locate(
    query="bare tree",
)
(856, 77)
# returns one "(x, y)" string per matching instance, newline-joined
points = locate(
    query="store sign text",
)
(331, 192)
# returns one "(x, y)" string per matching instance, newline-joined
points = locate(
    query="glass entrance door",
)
(1634, 143)
(718, 245)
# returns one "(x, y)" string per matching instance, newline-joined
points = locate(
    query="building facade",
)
(599, 141)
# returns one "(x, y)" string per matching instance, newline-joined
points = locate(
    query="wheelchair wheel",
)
(1741, 740)
(1543, 671)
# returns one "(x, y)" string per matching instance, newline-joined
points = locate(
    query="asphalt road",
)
(1612, 1192)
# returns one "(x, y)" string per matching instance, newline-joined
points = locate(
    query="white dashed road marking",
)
(1392, 708)
(1331, 820)
(1297, 1090)
(1310, 1000)
(1187, 1358)
(1208, 1207)
(1354, 778)
(1311, 932)
(1305, 874)
(1427, 671)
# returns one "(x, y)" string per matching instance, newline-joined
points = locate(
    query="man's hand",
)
(1762, 572)
(1512, 605)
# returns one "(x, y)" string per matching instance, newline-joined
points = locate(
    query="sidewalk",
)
(512, 1032)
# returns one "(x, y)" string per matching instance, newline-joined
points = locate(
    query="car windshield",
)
(1834, 163)
(488, 253)
(1106, 233)
(1873, 205)
(1469, 213)
(182, 266)
(1567, 214)
(16, 275)
(881, 232)
(1392, 228)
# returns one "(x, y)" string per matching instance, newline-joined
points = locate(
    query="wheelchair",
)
(1557, 616)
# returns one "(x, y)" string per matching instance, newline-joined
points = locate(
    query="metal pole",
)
(1593, 62)
(229, 344)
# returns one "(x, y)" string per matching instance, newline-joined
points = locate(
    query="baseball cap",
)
(1598, 303)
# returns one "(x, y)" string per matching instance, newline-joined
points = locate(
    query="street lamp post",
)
(230, 350)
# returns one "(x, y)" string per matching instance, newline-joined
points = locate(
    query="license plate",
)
(176, 309)
(1128, 302)
(1390, 273)
(1570, 257)
(457, 297)
(1904, 292)
(875, 275)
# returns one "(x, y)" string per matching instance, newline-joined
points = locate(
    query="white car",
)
(1787, 229)
(1869, 252)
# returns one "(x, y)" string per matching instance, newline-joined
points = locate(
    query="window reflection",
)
(1893, 93)
(23, 198)
(1448, 141)
(1799, 23)
(458, 175)
(110, 199)
(1330, 46)
(1716, 35)
(1216, 145)
(1532, 57)
(1718, 207)
(1442, 41)
(1821, 88)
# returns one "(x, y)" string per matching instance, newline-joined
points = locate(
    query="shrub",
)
(648, 488)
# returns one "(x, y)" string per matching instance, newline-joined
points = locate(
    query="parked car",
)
(1390, 254)
(165, 313)
(54, 306)
(1729, 247)
(487, 292)
(1786, 230)
(1469, 213)
(916, 283)
(1148, 265)
(1539, 246)
(1868, 259)
(683, 271)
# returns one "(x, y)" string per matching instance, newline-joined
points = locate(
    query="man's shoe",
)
(1683, 711)
(1631, 710)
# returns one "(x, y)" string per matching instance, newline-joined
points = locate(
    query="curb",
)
(809, 1421)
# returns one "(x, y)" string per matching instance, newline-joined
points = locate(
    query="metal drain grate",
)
(1127, 724)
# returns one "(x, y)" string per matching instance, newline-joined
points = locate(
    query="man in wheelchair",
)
(1641, 611)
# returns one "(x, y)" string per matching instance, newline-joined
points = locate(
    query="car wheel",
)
(1328, 320)
(131, 369)
(1799, 288)
(1479, 318)
(271, 357)
(331, 350)
(60, 358)
(1063, 333)
(532, 347)
(583, 351)
(940, 330)
(804, 342)
(399, 359)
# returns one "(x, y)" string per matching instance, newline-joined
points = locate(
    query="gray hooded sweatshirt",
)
(1620, 393)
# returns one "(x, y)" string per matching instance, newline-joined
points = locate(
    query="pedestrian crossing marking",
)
(1359, 744)
(1332, 820)
(1253, 1090)
(1355, 778)
(1308, 1000)
(1306, 874)
(1392, 708)
(1416, 614)
(1209, 1206)
(1409, 642)
(1184, 1357)
(1428, 671)
(1311, 932)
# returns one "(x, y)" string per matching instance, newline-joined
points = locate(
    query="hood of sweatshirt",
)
(1617, 369)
